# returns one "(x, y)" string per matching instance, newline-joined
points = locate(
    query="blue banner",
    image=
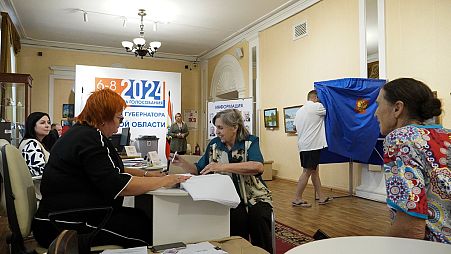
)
(351, 127)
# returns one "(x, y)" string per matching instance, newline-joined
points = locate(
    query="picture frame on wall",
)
(271, 118)
(68, 110)
(289, 114)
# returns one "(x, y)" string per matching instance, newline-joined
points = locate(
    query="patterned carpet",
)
(288, 238)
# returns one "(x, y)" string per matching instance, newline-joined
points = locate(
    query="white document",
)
(137, 250)
(214, 187)
(154, 158)
(131, 151)
(202, 247)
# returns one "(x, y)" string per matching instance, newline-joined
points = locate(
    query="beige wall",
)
(244, 63)
(417, 44)
(63, 95)
(288, 69)
(28, 61)
(418, 36)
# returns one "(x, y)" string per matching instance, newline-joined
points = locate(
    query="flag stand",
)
(350, 186)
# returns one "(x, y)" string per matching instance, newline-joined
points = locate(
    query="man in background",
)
(54, 134)
(58, 128)
(311, 132)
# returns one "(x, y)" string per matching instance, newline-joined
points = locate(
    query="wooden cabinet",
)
(15, 91)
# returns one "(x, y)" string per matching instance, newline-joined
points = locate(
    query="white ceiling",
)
(198, 26)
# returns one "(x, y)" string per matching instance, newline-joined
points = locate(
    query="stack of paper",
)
(134, 163)
(202, 247)
(215, 187)
(136, 250)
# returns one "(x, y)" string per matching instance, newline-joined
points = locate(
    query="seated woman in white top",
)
(37, 126)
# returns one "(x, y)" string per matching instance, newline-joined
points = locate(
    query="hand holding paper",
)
(220, 189)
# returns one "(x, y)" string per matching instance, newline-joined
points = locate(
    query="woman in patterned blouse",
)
(37, 126)
(236, 152)
(416, 161)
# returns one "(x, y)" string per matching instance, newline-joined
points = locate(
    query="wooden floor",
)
(346, 216)
(342, 217)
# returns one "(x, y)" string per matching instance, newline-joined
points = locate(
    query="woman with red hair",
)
(85, 171)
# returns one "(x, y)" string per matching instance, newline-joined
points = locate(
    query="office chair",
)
(21, 203)
(65, 243)
(4, 142)
(2, 193)
(20, 198)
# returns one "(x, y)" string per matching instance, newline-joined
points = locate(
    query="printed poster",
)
(152, 97)
(191, 118)
(243, 105)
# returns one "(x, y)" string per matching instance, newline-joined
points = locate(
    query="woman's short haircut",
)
(417, 97)
(30, 123)
(233, 118)
(101, 107)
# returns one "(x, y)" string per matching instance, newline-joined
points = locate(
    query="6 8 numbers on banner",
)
(133, 88)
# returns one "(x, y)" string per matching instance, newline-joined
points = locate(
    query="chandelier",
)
(138, 46)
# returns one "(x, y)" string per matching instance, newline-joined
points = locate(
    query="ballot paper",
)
(214, 187)
(135, 163)
(154, 158)
(131, 151)
(136, 250)
(201, 248)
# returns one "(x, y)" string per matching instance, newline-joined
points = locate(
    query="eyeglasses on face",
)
(121, 118)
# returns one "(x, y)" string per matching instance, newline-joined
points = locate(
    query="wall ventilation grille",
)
(299, 30)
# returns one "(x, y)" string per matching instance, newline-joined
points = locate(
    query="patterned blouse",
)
(252, 186)
(418, 176)
(35, 155)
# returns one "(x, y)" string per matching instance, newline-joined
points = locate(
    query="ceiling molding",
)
(263, 23)
(250, 31)
(8, 6)
(100, 49)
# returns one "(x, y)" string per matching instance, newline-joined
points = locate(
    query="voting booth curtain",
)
(352, 130)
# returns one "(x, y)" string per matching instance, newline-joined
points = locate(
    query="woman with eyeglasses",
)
(85, 171)
(236, 153)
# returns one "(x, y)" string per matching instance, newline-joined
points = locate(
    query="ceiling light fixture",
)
(138, 46)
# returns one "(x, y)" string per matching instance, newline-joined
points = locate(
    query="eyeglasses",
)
(121, 118)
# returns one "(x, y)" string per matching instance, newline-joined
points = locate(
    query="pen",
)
(174, 157)
(169, 163)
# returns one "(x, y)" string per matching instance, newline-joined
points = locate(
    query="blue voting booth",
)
(352, 130)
